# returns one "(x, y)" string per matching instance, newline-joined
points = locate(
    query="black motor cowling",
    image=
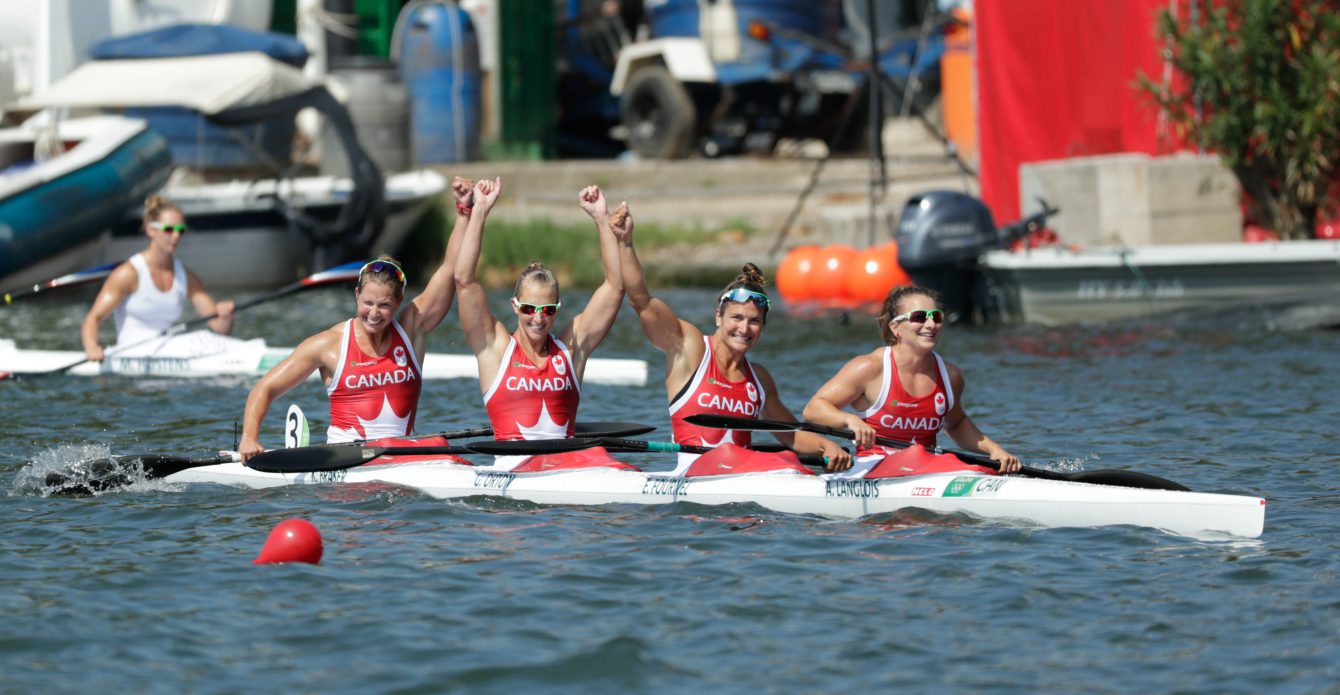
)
(940, 237)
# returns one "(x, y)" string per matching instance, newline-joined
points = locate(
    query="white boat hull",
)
(1053, 285)
(1027, 501)
(238, 239)
(255, 358)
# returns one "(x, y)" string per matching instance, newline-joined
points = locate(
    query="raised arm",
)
(965, 433)
(845, 388)
(119, 285)
(666, 331)
(428, 309)
(591, 326)
(318, 351)
(481, 329)
(205, 305)
(804, 442)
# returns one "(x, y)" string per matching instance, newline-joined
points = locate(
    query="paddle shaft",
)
(341, 273)
(79, 278)
(1100, 477)
(557, 446)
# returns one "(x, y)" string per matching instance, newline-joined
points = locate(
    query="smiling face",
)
(739, 324)
(535, 326)
(377, 305)
(913, 334)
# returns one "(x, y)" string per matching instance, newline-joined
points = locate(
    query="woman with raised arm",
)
(904, 390)
(531, 376)
(712, 374)
(370, 363)
(148, 293)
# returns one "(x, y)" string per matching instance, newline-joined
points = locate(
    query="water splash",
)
(76, 469)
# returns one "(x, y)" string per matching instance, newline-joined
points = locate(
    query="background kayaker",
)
(713, 374)
(148, 293)
(903, 390)
(531, 377)
(370, 363)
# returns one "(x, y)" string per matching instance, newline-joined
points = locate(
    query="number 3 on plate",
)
(296, 433)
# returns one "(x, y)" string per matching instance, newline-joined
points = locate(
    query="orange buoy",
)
(828, 280)
(876, 271)
(794, 272)
(291, 540)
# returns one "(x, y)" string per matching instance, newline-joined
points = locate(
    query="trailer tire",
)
(658, 114)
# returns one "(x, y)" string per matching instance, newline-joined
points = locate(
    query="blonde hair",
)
(535, 272)
(154, 207)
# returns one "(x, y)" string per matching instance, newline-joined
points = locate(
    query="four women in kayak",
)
(531, 376)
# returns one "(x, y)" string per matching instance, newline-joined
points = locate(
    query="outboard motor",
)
(941, 237)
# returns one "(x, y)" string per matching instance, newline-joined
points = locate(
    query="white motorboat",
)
(260, 231)
(1055, 285)
(64, 184)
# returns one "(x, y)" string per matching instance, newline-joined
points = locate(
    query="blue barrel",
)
(439, 65)
(681, 17)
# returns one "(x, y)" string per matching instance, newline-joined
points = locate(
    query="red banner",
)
(1057, 79)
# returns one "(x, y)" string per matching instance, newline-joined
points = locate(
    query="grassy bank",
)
(571, 250)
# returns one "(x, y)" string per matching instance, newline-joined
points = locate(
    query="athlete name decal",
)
(851, 488)
(494, 481)
(672, 487)
(329, 476)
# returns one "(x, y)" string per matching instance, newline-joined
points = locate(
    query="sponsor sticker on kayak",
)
(969, 486)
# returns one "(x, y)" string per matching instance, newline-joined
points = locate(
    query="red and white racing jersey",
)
(371, 396)
(528, 401)
(709, 392)
(897, 415)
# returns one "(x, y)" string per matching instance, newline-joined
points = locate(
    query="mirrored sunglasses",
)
(740, 294)
(178, 228)
(922, 316)
(528, 309)
(383, 267)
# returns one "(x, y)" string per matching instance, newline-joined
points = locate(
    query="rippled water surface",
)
(152, 589)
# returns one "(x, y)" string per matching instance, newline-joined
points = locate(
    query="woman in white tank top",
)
(148, 293)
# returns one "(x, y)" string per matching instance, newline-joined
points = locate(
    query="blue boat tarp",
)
(201, 39)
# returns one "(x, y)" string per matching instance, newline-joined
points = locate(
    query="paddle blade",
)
(595, 430)
(1122, 478)
(731, 422)
(115, 472)
(532, 448)
(316, 458)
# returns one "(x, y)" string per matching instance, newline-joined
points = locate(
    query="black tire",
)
(658, 114)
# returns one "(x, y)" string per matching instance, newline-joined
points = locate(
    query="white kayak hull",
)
(1028, 501)
(255, 358)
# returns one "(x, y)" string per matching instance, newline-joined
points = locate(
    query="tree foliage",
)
(1259, 84)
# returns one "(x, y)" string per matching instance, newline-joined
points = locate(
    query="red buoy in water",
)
(291, 540)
